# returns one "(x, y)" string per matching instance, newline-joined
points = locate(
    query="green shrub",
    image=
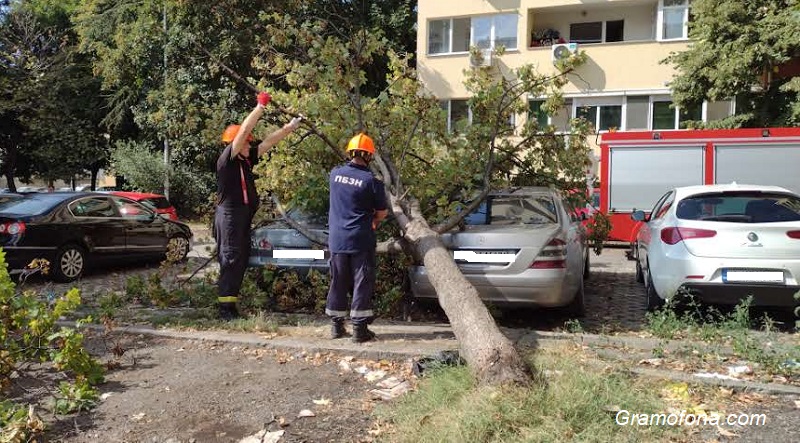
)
(29, 334)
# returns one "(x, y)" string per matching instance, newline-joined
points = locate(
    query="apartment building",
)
(623, 86)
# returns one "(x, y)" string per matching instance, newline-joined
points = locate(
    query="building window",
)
(458, 114)
(597, 32)
(667, 116)
(438, 36)
(603, 117)
(535, 112)
(615, 31)
(586, 32)
(456, 35)
(673, 19)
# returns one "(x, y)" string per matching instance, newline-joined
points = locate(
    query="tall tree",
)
(51, 97)
(747, 49)
(322, 62)
(434, 178)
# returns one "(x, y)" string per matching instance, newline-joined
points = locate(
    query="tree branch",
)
(321, 240)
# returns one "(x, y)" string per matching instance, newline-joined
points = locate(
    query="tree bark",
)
(12, 185)
(490, 354)
(95, 169)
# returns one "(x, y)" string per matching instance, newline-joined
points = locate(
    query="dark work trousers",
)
(232, 233)
(352, 273)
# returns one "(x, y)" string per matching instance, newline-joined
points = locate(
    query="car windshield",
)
(33, 204)
(514, 209)
(740, 207)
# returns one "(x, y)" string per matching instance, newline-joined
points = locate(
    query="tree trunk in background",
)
(12, 186)
(489, 353)
(95, 170)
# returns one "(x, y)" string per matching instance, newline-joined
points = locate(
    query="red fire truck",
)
(639, 167)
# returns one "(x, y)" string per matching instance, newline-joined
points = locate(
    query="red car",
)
(158, 202)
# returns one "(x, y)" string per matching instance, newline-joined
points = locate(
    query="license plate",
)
(731, 276)
(484, 256)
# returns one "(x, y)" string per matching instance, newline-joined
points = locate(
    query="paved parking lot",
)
(614, 300)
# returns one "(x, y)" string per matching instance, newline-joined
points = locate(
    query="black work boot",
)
(361, 334)
(337, 329)
(228, 311)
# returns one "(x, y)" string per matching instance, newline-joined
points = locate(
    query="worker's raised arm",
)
(240, 142)
(278, 135)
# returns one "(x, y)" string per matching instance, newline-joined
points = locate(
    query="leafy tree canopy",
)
(741, 49)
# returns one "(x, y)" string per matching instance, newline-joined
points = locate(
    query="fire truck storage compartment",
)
(639, 175)
(762, 164)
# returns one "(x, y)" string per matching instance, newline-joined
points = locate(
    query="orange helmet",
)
(361, 142)
(230, 134)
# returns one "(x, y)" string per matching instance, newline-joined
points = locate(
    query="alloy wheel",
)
(71, 263)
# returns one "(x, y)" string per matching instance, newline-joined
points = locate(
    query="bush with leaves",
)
(144, 170)
(29, 335)
(599, 229)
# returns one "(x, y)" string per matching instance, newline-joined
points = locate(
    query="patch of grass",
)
(205, 319)
(578, 403)
(689, 319)
(573, 326)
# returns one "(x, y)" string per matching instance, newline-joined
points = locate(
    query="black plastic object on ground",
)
(438, 360)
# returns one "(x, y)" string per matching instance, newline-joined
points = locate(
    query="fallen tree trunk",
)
(492, 357)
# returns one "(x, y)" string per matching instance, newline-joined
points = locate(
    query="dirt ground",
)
(191, 391)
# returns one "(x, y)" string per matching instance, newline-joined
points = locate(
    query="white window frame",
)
(603, 31)
(599, 102)
(449, 112)
(677, 112)
(492, 34)
(660, 20)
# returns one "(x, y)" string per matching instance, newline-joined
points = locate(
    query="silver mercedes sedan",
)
(524, 246)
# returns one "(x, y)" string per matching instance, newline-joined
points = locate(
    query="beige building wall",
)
(630, 65)
(614, 70)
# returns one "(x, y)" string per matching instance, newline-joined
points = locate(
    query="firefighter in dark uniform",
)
(357, 206)
(237, 202)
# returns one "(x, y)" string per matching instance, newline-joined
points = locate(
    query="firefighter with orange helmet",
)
(237, 201)
(357, 206)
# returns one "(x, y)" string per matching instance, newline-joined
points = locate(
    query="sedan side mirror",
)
(638, 216)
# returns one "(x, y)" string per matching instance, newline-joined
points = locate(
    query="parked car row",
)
(78, 230)
(524, 246)
(721, 243)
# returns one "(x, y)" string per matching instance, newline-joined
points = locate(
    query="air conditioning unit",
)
(563, 51)
(480, 58)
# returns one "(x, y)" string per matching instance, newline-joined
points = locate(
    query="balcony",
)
(625, 41)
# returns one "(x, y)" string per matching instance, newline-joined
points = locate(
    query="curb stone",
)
(406, 349)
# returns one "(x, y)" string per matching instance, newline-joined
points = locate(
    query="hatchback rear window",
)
(159, 202)
(514, 209)
(740, 207)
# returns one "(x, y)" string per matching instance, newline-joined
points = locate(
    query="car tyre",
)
(576, 308)
(177, 248)
(654, 302)
(586, 267)
(639, 273)
(70, 263)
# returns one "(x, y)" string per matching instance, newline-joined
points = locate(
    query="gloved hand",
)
(295, 123)
(263, 98)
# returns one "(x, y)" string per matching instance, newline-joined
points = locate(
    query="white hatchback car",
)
(721, 243)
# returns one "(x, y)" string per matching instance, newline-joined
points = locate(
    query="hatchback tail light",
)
(12, 228)
(794, 234)
(553, 256)
(673, 236)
